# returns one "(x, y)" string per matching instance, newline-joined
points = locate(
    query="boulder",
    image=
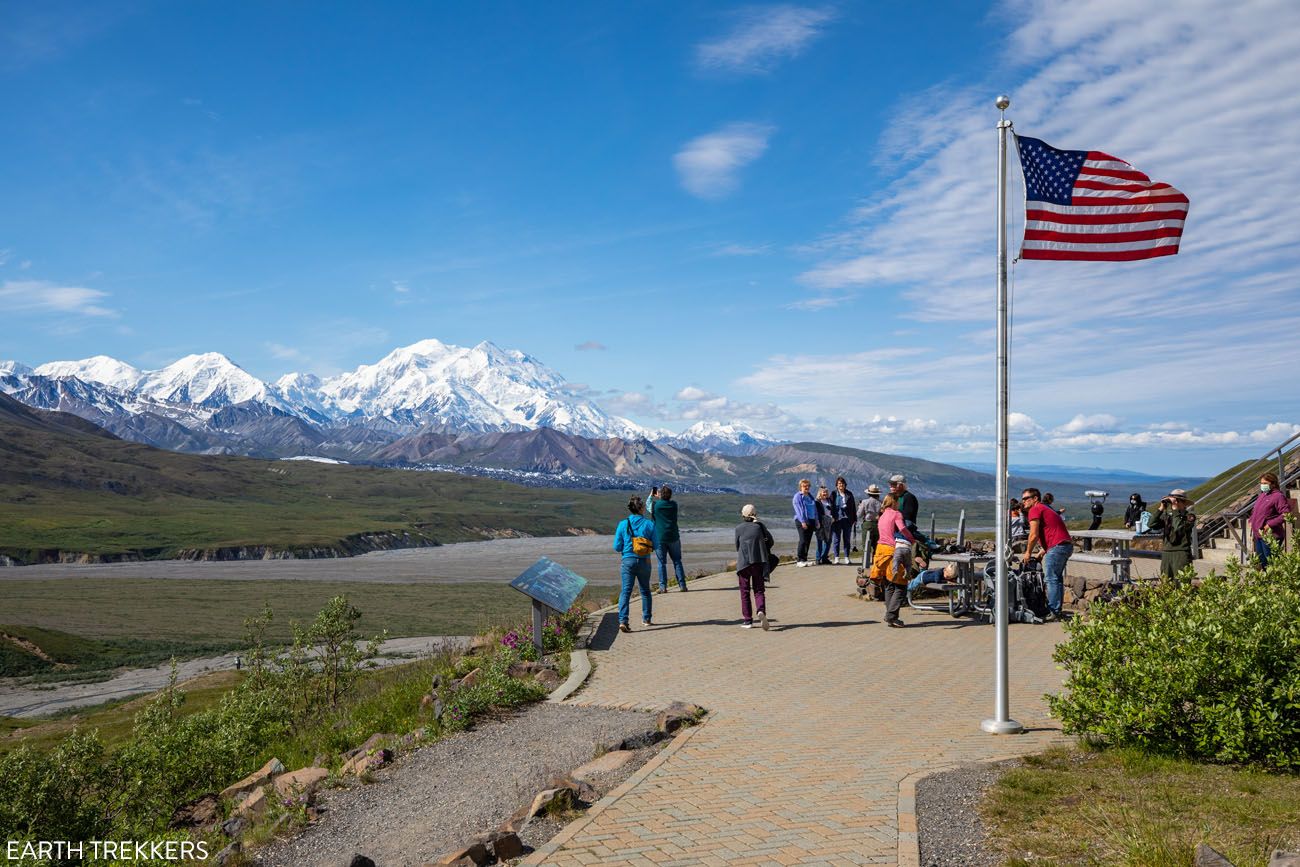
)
(300, 783)
(200, 813)
(472, 678)
(475, 853)
(553, 801)
(1207, 856)
(525, 668)
(676, 716)
(507, 846)
(549, 679)
(363, 763)
(226, 855)
(234, 827)
(372, 743)
(518, 821)
(607, 763)
(253, 805)
(260, 777)
(582, 790)
(1284, 859)
(436, 683)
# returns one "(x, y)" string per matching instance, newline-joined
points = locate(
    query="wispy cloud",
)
(591, 346)
(762, 37)
(821, 302)
(284, 353)
(1115, 76)
(40, 296)
(742, 249)
(709, 166)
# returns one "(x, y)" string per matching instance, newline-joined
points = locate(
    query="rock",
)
(372, 743)
(1284, 859)
(472, 678)
(199, 813)
(636, 742)
(365, 762)
(518, 821)
(260, 777)
(234, 827)
(475, 853)
(426, 701)
(549, 679)
(507, 846)
(437, 683)
(300, 783)
(358, 860)
(677, 715)
(582, 790)
(438, 708)
(611, 761)
(524, 668)
(1207, 856)
(553, 801)
(479, 643)
(253, 805)
(227, 854)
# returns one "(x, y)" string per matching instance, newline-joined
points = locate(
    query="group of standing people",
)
(637, 537)
(827, 518)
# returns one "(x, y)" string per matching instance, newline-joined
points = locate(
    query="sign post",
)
(551, 587)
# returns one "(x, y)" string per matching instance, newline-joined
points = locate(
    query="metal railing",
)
(1239, 502)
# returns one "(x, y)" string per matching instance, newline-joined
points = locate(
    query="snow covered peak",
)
(209, 380)
(734, 438)
(14, 368)
(98, 368)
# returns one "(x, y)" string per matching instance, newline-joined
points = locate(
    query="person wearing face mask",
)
(1133, 513)
(1175, 522)
(1268, 515)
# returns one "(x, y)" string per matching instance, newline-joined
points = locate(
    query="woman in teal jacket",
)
(637, 531)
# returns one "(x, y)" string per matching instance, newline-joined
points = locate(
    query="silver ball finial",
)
(1003, 102)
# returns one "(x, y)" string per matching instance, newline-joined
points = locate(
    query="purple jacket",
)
(805, 508)
(1270, 511)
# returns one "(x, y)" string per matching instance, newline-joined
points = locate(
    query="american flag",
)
(1090, 206)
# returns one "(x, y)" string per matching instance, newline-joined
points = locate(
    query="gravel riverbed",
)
(948, 823)
(441, 796)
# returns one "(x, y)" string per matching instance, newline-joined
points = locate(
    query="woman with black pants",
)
(805, 520)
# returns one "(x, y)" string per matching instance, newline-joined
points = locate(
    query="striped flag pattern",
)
(1090, 206)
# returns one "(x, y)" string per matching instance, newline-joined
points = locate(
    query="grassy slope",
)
(62, 488)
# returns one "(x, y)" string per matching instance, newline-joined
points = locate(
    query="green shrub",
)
(1209, 672)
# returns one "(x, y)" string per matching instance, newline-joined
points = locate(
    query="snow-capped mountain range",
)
(208, 403)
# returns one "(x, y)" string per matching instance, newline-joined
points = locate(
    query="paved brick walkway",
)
(813, 725)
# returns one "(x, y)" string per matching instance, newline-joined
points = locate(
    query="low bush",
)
(1210, 672)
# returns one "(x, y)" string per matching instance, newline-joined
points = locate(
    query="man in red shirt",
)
(1046, 529)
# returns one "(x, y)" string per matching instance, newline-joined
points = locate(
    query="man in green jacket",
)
(668, 541)
(1175, 524)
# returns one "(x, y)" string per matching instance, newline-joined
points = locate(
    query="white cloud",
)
(762, 37)
(821, 302)
(41, 296)
(736, 250)
(691, 393)
(1099, 422)
(282, 352)
(708, 166)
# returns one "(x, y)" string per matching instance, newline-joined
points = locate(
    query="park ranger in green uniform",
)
(1175, 523)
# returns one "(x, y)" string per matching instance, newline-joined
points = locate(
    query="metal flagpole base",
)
(1002, 727)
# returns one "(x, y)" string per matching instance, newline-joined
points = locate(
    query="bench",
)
(1120, 567)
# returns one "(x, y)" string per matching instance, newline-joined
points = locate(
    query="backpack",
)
(641, 546)
(1033, 595)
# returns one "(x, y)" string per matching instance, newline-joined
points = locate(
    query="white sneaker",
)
(800, 564)
(762, 619)
(746, 626)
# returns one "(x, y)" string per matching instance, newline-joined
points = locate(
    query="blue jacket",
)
(640, 526)
(805, 508)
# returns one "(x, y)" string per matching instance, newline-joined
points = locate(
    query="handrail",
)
(1213, 524)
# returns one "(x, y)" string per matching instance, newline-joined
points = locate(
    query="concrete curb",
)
(569, 831)
(909, 843)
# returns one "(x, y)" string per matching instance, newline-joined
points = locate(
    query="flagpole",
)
(1001, 723)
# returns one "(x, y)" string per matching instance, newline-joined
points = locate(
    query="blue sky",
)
(776, 214)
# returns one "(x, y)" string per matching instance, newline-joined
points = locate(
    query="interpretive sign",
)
(551, 586)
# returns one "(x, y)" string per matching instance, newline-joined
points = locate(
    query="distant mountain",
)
(1119, 482)
(723, 439)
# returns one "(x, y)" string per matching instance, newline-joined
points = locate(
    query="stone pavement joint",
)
(817, 730)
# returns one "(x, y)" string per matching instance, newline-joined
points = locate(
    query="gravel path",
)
(33, 700)
(948, 823)
(439, 797)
